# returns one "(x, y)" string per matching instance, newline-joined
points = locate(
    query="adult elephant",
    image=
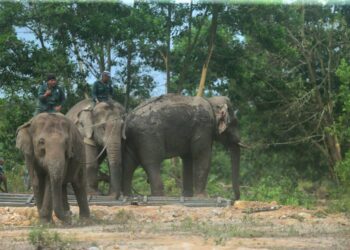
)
(101, 127)
(174, 125)
(54, 155)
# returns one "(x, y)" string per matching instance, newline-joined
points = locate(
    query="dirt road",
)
(178, 227)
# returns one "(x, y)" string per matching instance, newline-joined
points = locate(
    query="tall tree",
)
(212, 36)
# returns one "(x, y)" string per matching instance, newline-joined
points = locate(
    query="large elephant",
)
(101, 127)
(175, 125)
(54, 155)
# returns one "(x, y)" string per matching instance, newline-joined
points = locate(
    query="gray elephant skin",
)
(54, 155)
(174, 125)
(101, 128)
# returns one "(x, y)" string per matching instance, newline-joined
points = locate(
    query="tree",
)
(302, 46)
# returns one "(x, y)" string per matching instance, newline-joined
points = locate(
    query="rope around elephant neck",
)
(101, 123)
(104, 148)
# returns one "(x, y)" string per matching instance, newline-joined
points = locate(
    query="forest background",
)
(285, 68)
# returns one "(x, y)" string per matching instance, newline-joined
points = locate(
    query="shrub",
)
(42, 238)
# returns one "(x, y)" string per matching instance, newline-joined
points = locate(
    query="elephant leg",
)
(201, 167)
(129, 167)
(37, 182)
(187, 176)
(92, 169)
(45, 211)
(153, 173)
(65, 198)
(81, 196)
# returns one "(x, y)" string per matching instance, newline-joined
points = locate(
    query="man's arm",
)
(43, 93)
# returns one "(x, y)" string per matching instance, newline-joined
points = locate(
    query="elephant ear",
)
(222, 117)
(85, 123)
(24, 139)
(72, 135)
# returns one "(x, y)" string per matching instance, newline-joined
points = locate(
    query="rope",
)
(101, 123)
(103, 149)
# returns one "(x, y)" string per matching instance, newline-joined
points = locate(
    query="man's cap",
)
(51, 77)
(106, 73)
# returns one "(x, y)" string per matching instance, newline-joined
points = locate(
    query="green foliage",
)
(282, 190)
(43, 238)
(139, 183)
(343, 170)
(16, 180)
(339, 199)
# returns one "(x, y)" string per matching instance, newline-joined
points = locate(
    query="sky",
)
(159, 77)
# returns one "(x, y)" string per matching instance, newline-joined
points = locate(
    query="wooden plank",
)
(28, 200)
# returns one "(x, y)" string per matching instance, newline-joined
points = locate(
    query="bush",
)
(342, 170)
(282, 190)
(42, 238)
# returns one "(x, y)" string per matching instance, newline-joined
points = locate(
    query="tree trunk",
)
(213, 29)
(128, 76)
(168, 40)
(191, 44)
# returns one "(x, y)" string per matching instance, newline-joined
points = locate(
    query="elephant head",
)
(102, 126)
(228, 134)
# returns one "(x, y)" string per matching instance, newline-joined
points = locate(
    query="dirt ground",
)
(241, 226)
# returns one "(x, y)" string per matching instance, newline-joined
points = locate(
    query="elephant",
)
(101, 127)
(175, 125)
(54, 155)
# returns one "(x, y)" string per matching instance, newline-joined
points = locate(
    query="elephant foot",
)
(187, 194)
(45, 216)
(202, 195)
(65, 217)
(157, 193)
(92, 191)
(114, 195)
(84, 215)
(45, 220)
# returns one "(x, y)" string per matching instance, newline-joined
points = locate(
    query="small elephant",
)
(101, 127)
(175, 125)
(54, 155)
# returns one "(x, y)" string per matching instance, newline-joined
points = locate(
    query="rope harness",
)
(108, 140)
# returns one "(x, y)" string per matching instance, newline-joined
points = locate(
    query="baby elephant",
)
(54, 155)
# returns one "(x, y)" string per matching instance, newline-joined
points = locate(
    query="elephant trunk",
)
(235, 161)
(56, 173)
(114, 159)
(55, 161)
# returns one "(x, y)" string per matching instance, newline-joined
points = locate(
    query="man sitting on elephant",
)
(102, 90)
(50, 96)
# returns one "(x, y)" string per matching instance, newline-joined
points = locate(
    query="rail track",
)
(27, 200)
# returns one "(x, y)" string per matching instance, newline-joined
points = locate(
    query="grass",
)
(43, 238)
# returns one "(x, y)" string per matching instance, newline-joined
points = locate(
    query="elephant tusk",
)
(242, 145)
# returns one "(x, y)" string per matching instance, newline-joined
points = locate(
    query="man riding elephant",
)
(102, 90)
(50, 96)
